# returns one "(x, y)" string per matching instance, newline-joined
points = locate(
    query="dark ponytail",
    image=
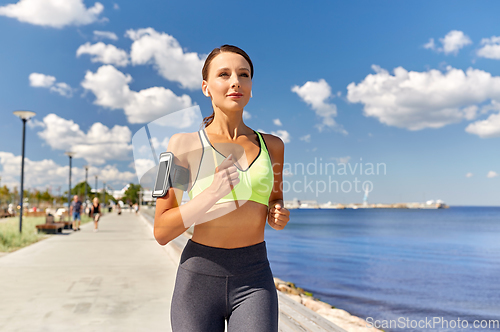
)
(204, 72)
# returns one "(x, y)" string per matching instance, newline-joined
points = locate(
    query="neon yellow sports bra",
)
(256, 182)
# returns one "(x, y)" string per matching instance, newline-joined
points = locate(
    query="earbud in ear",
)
(251, 94)
(206, 94)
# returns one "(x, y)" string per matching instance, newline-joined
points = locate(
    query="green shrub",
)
(11, 239)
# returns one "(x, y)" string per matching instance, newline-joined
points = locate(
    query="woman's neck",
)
(228, 124)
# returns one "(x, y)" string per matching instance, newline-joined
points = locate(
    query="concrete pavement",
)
(118, 279)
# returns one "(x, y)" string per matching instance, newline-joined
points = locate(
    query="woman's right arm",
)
(173, 219)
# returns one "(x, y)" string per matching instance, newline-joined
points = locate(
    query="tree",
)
(47, 197)
(131, 195)
(38, 196)
(64, 197)
(79, 189)
(15, 195)
(5, 196)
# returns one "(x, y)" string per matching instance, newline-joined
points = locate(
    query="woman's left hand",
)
(278, 217)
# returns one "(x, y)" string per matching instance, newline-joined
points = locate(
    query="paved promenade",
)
(118, 279)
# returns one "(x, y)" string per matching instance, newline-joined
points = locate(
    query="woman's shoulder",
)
(183, 145)
(182, 141)
(273, 143)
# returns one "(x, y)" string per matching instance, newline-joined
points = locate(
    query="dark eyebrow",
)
(242, 68)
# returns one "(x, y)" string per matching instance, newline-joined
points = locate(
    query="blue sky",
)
(326, 70)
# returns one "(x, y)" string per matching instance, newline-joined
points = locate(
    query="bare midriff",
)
(241, 227)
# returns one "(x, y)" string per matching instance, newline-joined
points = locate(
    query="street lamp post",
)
(70, 155)
(96, 187)
(24, 116)
(104, 193)
(86, 175)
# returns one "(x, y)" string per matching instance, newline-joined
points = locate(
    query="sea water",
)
(403, 265)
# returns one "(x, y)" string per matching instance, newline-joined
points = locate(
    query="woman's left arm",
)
(277, 215)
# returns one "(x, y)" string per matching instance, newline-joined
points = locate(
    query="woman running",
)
(236, 184)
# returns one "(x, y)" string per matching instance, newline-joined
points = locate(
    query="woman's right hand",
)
(225, 178)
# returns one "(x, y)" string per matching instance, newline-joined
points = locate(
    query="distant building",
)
(308, 204)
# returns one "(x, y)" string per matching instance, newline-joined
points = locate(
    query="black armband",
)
(170, 175)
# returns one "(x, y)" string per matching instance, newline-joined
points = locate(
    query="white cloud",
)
(41, 81)
(246, 115)
(38, 80)
(100, 52)
(341, 160)
(452, 42)
(470, 112)
(430, 45)
(490, 49)
(418, 100)
(111, 88)
(157, 144)
(33, 123)
(316, 94)
(63, 89)
(142, 166)
(306, 138)
(283, 134)
(493, 106)
(104, 35)
(469, 175)
(492, 174)
(167, 56)
(277, 122)
(344, 160)
(98, 145)
(46, 173)
(53, 13)
(36, 173)
(486, 128)
(115, 6)
(111, 174)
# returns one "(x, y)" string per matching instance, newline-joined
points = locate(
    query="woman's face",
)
(228, 73)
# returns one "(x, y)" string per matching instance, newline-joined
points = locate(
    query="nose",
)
(235, 82)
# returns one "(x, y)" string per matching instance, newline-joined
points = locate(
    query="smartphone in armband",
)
(169, 175)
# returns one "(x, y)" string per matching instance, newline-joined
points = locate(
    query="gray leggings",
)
(218, 284)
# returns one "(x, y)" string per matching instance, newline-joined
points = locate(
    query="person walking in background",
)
(11, 210)
(118, 208)
(96, 212)
(75, 210)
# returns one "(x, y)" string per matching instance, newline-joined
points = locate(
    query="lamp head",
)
(24, 115)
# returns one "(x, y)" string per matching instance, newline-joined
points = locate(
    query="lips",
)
(235, 94)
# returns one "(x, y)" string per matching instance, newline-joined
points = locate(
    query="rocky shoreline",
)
(339, 317)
